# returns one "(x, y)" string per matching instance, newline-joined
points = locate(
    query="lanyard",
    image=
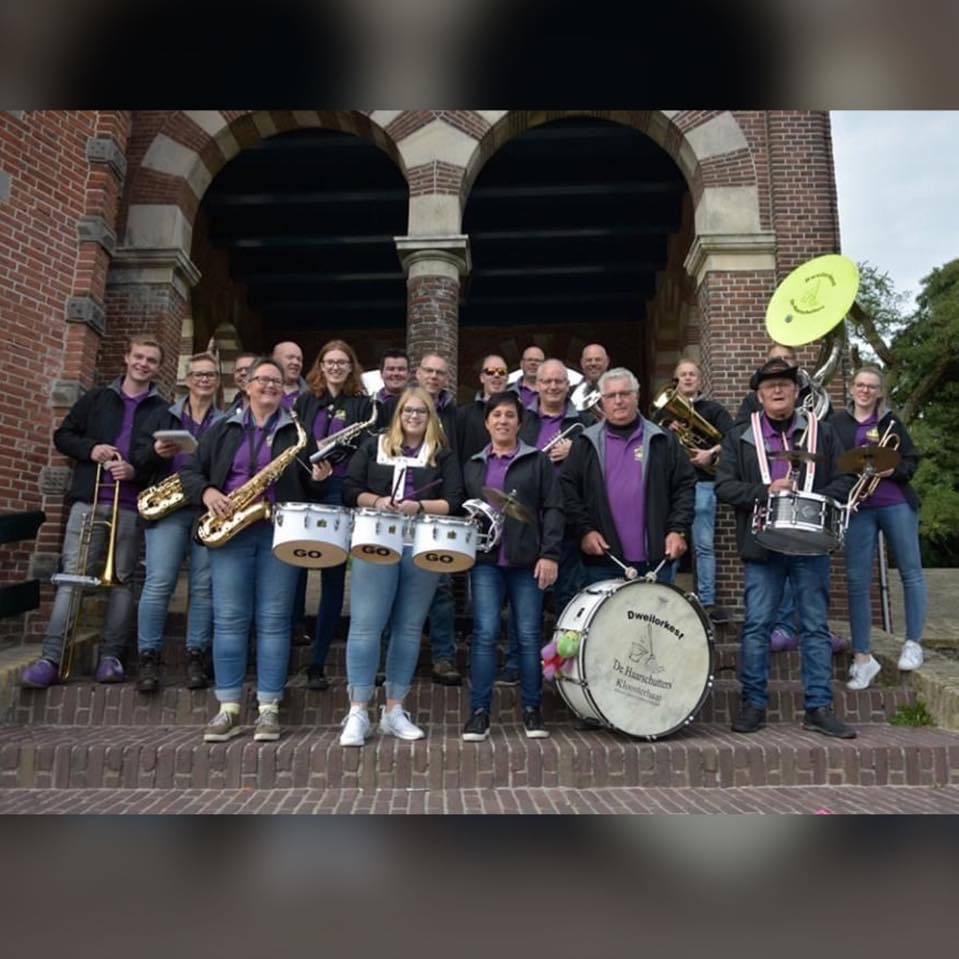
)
(811, 441)
(251, 431)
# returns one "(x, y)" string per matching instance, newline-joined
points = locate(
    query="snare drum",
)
(444, 544)
(800, 524)
(378, 536)
(645, 660)
(310, 535)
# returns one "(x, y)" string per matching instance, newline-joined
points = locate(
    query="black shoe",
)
(718, 614)
(380, 679)
(533, 722)
(196, 675)
(446, 674)
(823, 720)
(507, 677)
(750, 719)
(316, 678)
(148, 672)
(477, 728)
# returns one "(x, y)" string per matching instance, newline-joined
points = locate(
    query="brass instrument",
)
(81, 580)
(695, 433)
(591, 402)
(333, 448)
(162, 498)
(561, 436)
(247, 504)
(869, 479)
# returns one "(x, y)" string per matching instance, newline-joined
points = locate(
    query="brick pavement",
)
(796, 800)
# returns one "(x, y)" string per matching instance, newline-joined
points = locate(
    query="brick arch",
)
(709, 147)
(188, 149)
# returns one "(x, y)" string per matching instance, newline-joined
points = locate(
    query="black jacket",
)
(365, 475)
(145, 460)
(532, 476)
(670, 490)
(214, 458)
(386, 407)
(471, 433)
(844, 425)
(96, 418)
(447, 415)
(739, 483)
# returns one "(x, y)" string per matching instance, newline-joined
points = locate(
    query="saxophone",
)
(162, 498)
(248, 505)
(337, 447)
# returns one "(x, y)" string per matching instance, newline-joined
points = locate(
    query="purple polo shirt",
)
(256, 441)
(496, 467)
(549, 427)
(128, 491)
(774, 440)
(888, 492)
(289, 399)
(408, 486)
(626, 490)
(196, 430)
(525, 393)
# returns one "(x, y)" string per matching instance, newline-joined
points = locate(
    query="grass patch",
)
(914, 715)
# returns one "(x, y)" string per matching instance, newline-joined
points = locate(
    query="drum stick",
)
(650, 577)
(630, 572)
(422, 489)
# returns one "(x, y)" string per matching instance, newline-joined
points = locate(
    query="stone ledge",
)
(94, 229)
(85, 309)
(107, 150)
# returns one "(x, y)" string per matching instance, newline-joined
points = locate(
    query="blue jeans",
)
(786, 617)
(765, 582)
(333, 584)
(442, 617)
(900, 525)
(399, 594)
(167, 544)
(251, 584)
(491, 585)
(704, 523)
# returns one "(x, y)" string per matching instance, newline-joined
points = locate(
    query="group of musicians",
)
(599, 485)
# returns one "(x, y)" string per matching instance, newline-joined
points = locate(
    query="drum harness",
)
(810, 440)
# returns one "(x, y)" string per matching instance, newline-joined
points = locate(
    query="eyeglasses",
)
(433, 371)
(337, 364)
(241, 370)
(552, 382)
(495, 371)
(204, 374)
(620, 395)
(865, 386)
(415, 411)
(266, 380)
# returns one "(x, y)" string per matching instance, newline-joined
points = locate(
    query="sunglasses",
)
(495, 371)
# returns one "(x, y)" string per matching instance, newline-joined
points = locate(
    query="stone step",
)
(86, 703)
(704, 756)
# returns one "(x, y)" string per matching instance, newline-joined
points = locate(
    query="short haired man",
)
(594, 362)
(395, 373)
(241, 372)
(471, 434)
(99, 430)
(628, 487)
(689, 382)
(433, 374)
(745, 478)
(289, 357)
(529, 363)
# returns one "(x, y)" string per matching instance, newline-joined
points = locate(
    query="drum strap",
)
(812, 437)
(401, 464)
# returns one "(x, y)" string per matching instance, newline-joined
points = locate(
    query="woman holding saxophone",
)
(333, 401)
(892, 507)
(245, 462)
(169, 527)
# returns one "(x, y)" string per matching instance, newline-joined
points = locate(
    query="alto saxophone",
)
(162, 498)
(248, 505)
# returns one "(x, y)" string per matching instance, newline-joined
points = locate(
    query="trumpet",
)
(81, 580)
(869, 479)
(562, 436)
(695, 433)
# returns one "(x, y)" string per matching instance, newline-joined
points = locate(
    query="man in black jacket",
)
(628, 487)
(471, 434)
(746, 476)
(99, 430)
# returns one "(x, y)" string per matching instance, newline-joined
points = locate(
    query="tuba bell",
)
(695, 433)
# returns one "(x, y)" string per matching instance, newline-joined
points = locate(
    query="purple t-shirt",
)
(128, 491)
(888, 492)
(196, 430)
(526, 395)
(549, 427)
(496, 467)
(626, 490)
(327, 423)
(289, 399)
(774, 441)
(254, 454)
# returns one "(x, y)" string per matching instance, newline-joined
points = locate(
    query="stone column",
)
(434, 266)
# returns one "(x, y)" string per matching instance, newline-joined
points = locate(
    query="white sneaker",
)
(861, 675)
(356, 729)
(911, 656)
(397, 723)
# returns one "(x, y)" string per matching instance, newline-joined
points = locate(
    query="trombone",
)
(80, 580)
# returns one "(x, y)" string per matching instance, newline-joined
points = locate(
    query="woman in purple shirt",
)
(892, 508)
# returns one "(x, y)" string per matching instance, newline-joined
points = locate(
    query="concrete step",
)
(91, 704)
(704, 756)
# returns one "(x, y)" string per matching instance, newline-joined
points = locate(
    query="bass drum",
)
(645, 660)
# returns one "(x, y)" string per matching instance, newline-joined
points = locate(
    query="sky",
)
(897, 175)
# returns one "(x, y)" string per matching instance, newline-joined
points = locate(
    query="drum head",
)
(309, 554)
(647, 659)
(443, 561)
(375, 553)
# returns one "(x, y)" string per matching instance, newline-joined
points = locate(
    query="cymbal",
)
(795, 456)
(876, 458)
(507, 504)
(813, 299)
